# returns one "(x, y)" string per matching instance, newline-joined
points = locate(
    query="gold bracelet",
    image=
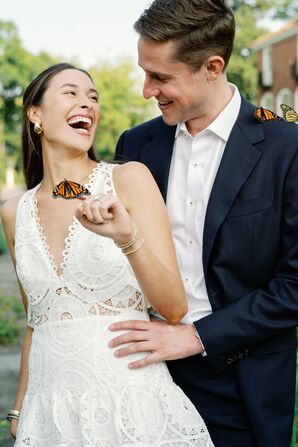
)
(131, 241)
(136, 249)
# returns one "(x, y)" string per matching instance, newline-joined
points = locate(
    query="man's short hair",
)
(199, 28)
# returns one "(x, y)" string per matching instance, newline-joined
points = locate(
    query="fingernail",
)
(112, 327)
(131, 366)
(110, 345)
(117, 354)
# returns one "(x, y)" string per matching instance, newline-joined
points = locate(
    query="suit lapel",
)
(157, 156)
(238, 161)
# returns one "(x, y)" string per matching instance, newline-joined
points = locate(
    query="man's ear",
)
(33, 114)
(214, 67)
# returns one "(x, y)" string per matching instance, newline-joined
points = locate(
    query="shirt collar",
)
(224, 122)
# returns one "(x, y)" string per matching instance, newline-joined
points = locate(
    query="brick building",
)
(277, 61)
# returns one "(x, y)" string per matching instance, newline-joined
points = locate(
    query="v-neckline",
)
(59, 269)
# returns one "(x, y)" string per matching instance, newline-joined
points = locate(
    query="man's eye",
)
(94, 98)
(71, 92)
(159, 78)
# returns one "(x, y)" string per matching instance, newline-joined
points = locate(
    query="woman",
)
(83, 264)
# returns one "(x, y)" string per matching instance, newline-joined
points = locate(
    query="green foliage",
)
(242, 69)
(18, 68)
(4, 428)
(3, 243)
(12, 316)
(122, 106)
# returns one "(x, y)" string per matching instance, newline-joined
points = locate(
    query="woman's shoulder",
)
(134, 182)
(9, 208)
(133, 169)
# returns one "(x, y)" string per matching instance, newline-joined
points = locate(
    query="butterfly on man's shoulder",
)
(290, 115)
(70, 190)
(263, 115)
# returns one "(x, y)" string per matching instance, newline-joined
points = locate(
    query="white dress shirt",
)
(194, 166)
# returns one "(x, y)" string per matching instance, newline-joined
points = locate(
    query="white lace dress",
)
(79, 394)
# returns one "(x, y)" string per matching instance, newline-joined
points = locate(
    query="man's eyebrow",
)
(157, 73)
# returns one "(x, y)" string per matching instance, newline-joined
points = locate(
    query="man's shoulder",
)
(273, 129)
(153, 126)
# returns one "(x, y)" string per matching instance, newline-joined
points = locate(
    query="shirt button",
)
(186, 279)
(190, 203)
(195, 165)
(190, 242)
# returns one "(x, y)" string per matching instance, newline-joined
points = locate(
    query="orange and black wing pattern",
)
(289, 114)
(263, 115)
(70, 190)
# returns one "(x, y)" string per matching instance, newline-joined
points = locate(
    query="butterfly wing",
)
(289, 114)
(263, 115)
(58, 191)
(68, 189)
(74, 190)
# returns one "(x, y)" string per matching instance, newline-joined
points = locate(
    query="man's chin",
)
(169, 121)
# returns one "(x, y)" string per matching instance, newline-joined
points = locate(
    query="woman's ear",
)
(33, 115)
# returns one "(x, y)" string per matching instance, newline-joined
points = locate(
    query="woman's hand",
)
(13, 428)
(106, 216)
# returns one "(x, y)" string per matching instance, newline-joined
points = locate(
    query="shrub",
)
(12, 316)
(4, 429)
(3, 243)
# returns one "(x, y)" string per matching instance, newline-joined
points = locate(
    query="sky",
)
(92, 31)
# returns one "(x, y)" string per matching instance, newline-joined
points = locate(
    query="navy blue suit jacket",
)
(250, 259)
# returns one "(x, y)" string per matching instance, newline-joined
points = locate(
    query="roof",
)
(286, 31)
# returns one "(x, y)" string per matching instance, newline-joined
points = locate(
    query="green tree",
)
(18, 68)
(249, 14)
(122, 105)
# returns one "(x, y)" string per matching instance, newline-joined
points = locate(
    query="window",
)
(267, 74)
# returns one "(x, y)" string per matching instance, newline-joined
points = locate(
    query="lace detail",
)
(80, 394)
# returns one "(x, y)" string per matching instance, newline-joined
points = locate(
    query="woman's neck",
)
(75, 169)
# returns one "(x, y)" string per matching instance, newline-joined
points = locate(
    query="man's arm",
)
(260, 316)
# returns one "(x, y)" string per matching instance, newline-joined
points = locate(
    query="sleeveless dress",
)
(79, 394)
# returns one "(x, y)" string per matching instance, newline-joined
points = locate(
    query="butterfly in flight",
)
(289, 114)
(263, 115)
(70, 190)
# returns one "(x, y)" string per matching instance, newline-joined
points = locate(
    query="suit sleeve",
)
(266, 314)
(119, 152)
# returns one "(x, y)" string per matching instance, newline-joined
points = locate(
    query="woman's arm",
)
(155, 264)
(8, 216)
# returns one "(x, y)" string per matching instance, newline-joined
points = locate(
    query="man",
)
(231, 187)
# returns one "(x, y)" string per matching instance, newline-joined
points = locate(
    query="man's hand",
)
(161, 340)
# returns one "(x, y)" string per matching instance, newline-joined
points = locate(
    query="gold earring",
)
(37, 128)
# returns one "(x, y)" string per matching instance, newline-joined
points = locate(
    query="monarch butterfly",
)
(69, 190)
(289, 114)
(263, 115)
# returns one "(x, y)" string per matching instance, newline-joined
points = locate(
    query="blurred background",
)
(98, 35)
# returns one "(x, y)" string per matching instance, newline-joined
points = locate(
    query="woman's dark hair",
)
(199, 29)
(31, 144)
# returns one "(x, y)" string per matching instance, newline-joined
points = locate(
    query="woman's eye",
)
(71, 92)
(94, 98)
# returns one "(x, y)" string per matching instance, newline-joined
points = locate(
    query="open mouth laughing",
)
(164, 104)
(82, 124)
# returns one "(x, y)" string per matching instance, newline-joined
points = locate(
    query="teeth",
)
(77, 119)
(164, 103)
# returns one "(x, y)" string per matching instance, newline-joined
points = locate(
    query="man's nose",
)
(150, 89)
